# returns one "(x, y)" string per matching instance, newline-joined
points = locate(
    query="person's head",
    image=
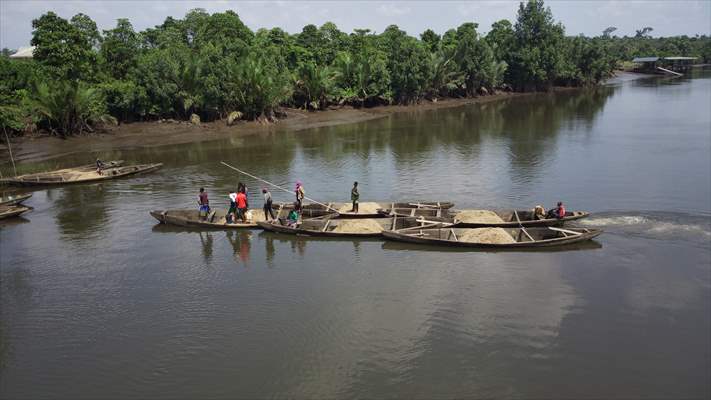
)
(298, 184)
(264, 190)
(202, 190)
(560, 204)
(355, 184)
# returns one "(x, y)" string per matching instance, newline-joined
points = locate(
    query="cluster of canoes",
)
(420, 222)
(435, 223)
(10, 205)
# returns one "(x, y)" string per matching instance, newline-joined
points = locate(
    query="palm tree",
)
(261, 87)
(445, 77)
(314, 84)
(68, 107)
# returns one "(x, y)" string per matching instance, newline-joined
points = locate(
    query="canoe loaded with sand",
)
(360, 227)
(80, 175)
(486, 218)
(492, 238)
(215, 219)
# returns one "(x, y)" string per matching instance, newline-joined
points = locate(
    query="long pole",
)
(9, 148)
(272, 184)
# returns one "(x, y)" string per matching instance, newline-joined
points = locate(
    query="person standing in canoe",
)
(242, 205)
(232, 212)
(204, 203)
(354, 197)
(268, 212)
(300, 193)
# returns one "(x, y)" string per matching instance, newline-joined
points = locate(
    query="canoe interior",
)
(328, 227)
(13, 211)
(215, 219)
(536, 236)
(14, 199)
(430, 213)
(508, 217)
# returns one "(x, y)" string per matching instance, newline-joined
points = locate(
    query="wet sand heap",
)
(478, 217)
(363, 208)
(358, 226)
(486, 235)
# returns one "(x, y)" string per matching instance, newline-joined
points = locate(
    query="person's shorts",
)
(241, 211)
(233, 208)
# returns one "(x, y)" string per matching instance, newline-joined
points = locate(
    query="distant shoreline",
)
(27, 149)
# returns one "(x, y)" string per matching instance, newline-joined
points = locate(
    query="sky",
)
(589, 17)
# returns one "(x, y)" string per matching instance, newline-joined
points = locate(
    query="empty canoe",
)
(12, 211)
(492, 238)
(11, 200)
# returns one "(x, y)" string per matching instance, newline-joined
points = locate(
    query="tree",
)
(537, 59)
(644, 32)
(63, 48)
(119, 49)
(407, 64)
(608, 31)
(431, 40)
(501, 39)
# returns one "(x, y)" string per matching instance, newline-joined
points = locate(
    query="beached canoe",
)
(370, 209)
(13, 211)
(487, 218)
(80, 175)
(492, 238)
(214, 220)
(342, 227)
(11, 200)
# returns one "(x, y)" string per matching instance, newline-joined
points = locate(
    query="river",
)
(98, 301)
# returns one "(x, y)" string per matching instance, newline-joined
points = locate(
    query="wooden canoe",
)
(11, 200)
(328, 227)
(80, 175)
(508, 217)
(342, 209)
(522, 237)
(12, 211)
(214, 220)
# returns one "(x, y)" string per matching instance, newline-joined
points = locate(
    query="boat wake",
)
(655, 225)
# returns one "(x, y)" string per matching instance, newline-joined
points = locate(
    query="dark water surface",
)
(100, 302)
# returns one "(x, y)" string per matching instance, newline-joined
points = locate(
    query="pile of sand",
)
(358, 226)
(363, 208)
(486, 235)
(477, 217)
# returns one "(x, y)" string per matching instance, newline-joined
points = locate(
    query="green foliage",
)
(213, 64)
(537, 59)
(64, 49)
(66, 107)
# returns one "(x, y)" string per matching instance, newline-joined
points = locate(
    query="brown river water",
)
(98, 301)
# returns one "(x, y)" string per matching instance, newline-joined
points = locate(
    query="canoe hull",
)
(14, 200)
(190, 219)
(321, 228)
(13, 211)
(585, 234)
(448, 216)
(54, 179)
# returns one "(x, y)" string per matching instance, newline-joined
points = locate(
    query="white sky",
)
(667, 17)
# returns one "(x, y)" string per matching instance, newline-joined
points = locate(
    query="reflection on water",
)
(99, 300)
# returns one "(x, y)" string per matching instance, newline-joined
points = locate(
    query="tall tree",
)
(63, 48)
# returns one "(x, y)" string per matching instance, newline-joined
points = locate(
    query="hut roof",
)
(645, 59)
(680, 58)
(24, 52)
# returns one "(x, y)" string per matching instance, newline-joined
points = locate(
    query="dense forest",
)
(215, 67)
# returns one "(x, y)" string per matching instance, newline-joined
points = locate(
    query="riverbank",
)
(150, 134)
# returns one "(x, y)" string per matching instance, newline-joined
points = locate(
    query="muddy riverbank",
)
(154, 133)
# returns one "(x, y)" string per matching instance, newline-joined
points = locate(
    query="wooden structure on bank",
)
(663, 65)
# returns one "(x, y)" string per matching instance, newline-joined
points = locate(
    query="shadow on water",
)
(81, 210)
